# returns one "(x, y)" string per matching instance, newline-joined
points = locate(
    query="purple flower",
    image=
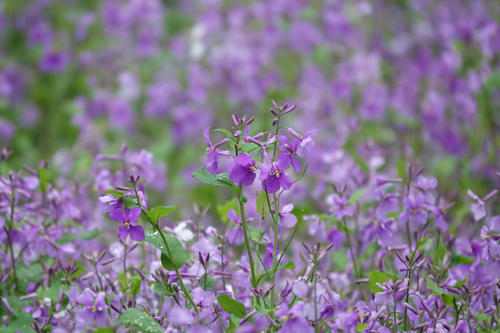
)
(236, 234)
(306, 141)
(243, 171)
(54, 62)
(339, 206)
(413, 214)
(212, 161)
(95, 308)
(289, 153)
(128, 217)
(274, 178)
(477, 209)
(287, 219)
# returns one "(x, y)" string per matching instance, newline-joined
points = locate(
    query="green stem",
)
(179, 278)
(156, 227)
(246, 238)
(9, 239)
(410, 273)
(275, 248)
(354, 262)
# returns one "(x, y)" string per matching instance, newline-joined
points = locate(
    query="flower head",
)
(274, 178)
(243, 171)
(127, 217)
(95, 307)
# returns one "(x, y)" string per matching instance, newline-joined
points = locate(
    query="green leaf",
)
(221, 179)
(207, 282)
(226, 207)
(461, 259)
(250, 148)
(435, 289)
(179, 254)
(51, 292)
(289, 265)
(27, 274)
(375, 277)
(361, 327)
(130, 202)
(135, 285)
(356, 195)
(160, 288)
(140, 320)
(114, 192)
(447, 299)
(256, 234)
(231, 305)
(20, 322)
(158, 212)
(340, 260)
(227, 134)
(261, 204)
(90, 234)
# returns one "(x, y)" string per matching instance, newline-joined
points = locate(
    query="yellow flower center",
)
(94, 308)
(276, 173)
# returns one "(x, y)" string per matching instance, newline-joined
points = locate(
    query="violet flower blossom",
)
(95, 308)
(274, 178)
(128, 217)
(287, 219)
(243, 171)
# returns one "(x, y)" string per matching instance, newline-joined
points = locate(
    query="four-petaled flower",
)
(95, 307)
(243, 171)
(128, 217)
(274, 178)
(289, 153)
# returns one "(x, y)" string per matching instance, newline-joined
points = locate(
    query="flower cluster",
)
(142, 188)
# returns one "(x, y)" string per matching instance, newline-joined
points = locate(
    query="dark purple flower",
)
(54, 62)
(243, 171)
(95, 308)
(128, 217)
(274, 178)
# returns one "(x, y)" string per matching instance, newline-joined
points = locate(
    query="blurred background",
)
(385, 82)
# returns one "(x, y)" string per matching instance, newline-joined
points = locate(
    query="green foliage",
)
(179, 254)
(207, 282)
(140, 320)
(226, 207)
(231, 305)
(221, 179)
(262, 204)
(158, 212)
(89, 234)
(356, 195)
(375, 277)
(160, 288)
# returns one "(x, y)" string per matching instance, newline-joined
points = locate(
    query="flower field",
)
(249, 166)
